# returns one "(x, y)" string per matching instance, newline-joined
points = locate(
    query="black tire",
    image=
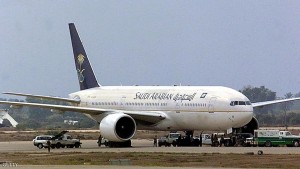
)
(58, 145)
(174, 144)
(63, 146)
(296, 143)
(196, 142)
(53, 146)
(106, 144)
(268, 144)
(71, 146)
(77, 145)
(40, 146)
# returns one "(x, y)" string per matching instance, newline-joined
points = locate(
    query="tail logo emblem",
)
(80, 60)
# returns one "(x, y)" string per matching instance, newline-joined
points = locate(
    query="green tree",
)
(260, 94)
(286, 106)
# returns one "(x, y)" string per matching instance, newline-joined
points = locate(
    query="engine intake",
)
(117, 127)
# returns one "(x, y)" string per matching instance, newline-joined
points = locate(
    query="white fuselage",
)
(185, 107)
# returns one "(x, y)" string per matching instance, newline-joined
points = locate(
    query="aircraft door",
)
(177, 105)
(122, 101)
(211, 105)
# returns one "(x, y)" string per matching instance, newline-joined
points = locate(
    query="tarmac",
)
(143, 145)
(138, 145)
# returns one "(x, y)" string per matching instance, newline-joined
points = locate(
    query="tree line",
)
(282, 114)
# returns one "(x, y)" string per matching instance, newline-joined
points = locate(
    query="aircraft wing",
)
(74, 101)
(261, 104)
(149, 117)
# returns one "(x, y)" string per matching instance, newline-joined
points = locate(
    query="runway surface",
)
(139, 145)
(145, 146)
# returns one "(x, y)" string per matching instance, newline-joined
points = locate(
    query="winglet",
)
(84, 69)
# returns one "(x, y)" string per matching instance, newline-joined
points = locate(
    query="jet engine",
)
(250, 127)
(118, 127)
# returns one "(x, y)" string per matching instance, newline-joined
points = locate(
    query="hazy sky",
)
(226, 43)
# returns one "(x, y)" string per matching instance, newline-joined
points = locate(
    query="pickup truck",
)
(169, 139)
(270, 138)
(65, 141)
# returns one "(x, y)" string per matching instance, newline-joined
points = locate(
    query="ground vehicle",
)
(270, 138)
(65, 141)
(103, 141)
(206, 139)
(41, 141)
(60, 140)
(237, 139)
(240, 139)
(176, 139)
(171, 138)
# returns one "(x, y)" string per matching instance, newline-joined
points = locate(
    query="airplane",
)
(121, 110)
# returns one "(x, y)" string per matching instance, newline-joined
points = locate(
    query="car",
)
(41, 141)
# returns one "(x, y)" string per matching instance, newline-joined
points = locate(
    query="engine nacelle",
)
(117, 127)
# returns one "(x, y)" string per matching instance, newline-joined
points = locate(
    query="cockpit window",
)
(242, 103)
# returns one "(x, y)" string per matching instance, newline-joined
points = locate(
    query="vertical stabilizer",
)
(84, 69)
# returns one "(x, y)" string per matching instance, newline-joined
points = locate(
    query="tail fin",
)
(84, 69)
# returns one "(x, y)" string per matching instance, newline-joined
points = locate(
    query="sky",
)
(220, 43)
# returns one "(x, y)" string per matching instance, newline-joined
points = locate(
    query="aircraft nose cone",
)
(243, 119)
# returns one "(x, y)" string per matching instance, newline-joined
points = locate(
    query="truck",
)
(168, 140)
(60, 140)
(176, 139)
(65, 141)
(269, 138)
(206, 139)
